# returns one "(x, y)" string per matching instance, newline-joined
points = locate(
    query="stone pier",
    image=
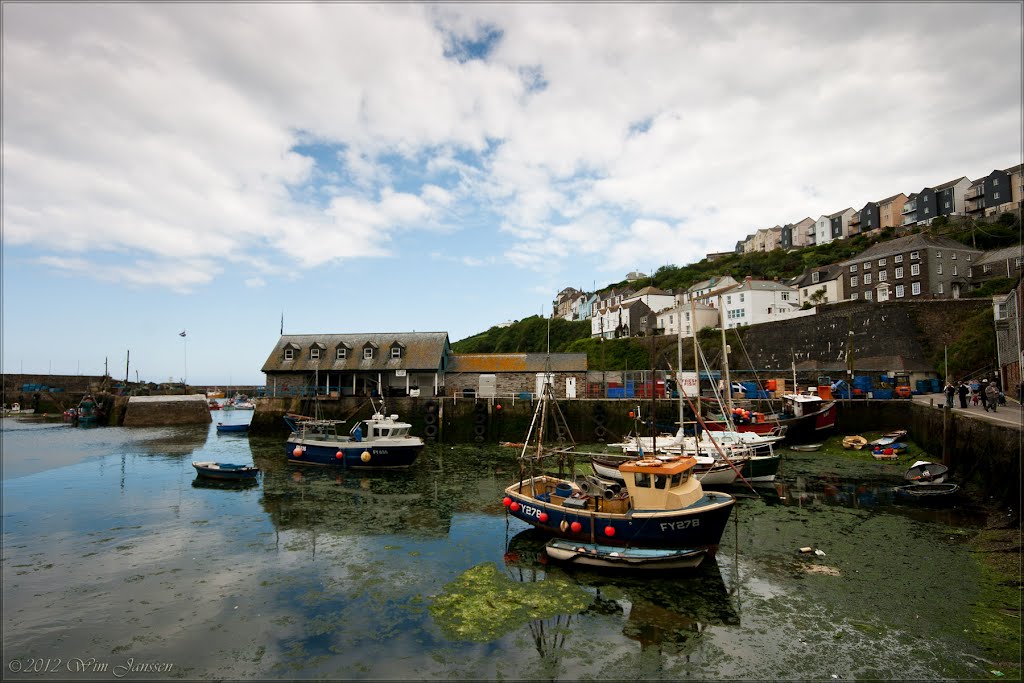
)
(158, 411)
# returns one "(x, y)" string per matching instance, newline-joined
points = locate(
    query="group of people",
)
(985, 392)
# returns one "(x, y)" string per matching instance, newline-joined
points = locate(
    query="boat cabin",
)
(380, 427)
(655, 484)
(798, 405)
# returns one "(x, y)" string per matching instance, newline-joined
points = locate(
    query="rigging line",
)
(728, 422)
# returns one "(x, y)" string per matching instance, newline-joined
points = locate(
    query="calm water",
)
(116, 559)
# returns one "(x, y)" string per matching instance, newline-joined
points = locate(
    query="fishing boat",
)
(213, 404)
(379, 442)
(924, 472)
(238, 428)
(214, 393)
(804, 416)
(615, 557)
(226, 471)
(88, 410)
(663, 504)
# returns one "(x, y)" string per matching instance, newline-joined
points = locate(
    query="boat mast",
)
(725, 355)
(679, 361)
(696, 362)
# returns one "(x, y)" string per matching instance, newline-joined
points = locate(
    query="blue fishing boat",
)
(88, 411)
(237, 428)
(226, 471)
(663, 505)
(379, 442)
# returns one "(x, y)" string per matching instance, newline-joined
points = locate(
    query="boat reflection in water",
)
(667, 613)
(350, 503)
(225, 484)
(871, 494)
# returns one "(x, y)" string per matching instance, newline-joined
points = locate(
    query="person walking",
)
(950, 393)
(991, 397)
(963, 392)
(982, 386)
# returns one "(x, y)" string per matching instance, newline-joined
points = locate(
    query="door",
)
(883, 293)
(570, 387)
(543, 379)
(956, 291)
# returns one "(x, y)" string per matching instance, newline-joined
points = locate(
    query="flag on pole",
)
(182, 333)
(282, 322)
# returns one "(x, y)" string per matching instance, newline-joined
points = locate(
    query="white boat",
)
(924, 472)
(614, 557)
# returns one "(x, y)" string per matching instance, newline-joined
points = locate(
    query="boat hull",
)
(354, 455)
(800, 428)
(700, 525)
(613, 557)
(233, 428)
(228, 474)
(761, 468)
(720, 475)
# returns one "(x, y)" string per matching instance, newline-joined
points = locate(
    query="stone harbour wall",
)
(159, 411)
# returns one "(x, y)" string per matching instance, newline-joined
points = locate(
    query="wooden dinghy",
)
(854, 442)
(612, 557)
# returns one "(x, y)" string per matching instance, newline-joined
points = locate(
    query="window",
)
(785, 296)
(854, 281)
(915, 288)
(368, 353)
(915, 268)
(1001, 311)
(995, 195)
(396, 351)
(867, 278)
(898, 258)
(1017, 262)
(741, 297)
(938, 290)
(995, 182)
(914, 256)
(854, 296)
(289, 354)
(938, 269)
(815, 277)
(342, 353)
(881, 262)
(953, 256)
(867, 265)
(947, 204)
(968, 257)
(728, 299)
(938, 254)
(868, 295)
(927, 211)
(853, 268)
(883, 275)
(899, 272)
(987, 268)
(954, 269)
(314, 353)
(899, 291)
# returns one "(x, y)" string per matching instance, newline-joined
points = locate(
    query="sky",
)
(215, 168)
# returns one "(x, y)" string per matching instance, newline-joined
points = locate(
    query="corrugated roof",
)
(423, 351)
(517, 362)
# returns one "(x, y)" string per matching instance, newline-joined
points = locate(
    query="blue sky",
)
(433, 167)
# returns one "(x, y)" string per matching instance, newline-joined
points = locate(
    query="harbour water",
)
(119, 562)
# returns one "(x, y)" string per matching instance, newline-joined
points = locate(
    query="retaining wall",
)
(159, 411)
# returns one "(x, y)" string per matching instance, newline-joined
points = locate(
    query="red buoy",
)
(576, 527)
(631, 414)
(514, 506)
(297, 452)
(497, 406)
(543, 516)
(339, 455)
(506, 501)
(609, 530)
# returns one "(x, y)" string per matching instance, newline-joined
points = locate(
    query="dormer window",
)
(291, 351)
(314, 353)
(396, 351)
(815, 277)
(342, 353)
(367, 353)
(289, 354)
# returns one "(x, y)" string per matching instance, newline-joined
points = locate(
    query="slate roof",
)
(760, 285)
(652, 291)
(840, 212)
(423, 351)
(999, 255)
(517, 362)
(828, 273)
(901, 244)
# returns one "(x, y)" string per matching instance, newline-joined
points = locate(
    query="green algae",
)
(482, 604)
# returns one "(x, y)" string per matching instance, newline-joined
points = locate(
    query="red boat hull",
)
(797, 428)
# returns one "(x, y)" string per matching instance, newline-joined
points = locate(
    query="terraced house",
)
(945, 199)
(913, 267)
(998, 192)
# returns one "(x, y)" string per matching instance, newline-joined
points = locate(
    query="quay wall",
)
(913, 330)
(160, 411)
(983, 455)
